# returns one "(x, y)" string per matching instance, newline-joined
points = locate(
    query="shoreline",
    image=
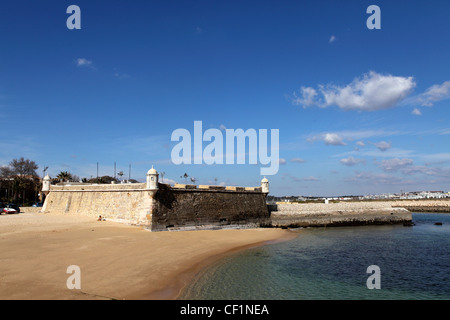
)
(183, 279)
(116, 261)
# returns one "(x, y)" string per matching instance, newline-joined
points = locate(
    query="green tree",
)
(5, 172)
(64, 176)
(23, 167)
(20, 181)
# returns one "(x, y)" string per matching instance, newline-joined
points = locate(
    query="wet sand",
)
(116, 261)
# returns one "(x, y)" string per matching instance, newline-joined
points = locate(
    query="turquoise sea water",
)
(331, 263)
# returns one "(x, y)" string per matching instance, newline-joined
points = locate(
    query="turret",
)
(265, 185)
(152, 179)
(46, 184)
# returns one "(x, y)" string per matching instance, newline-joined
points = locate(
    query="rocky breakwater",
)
(338, 214)
(442, 205)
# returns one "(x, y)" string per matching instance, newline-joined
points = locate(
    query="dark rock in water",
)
(408, 224)
(438, 223)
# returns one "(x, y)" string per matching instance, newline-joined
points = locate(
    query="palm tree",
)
(64, 176)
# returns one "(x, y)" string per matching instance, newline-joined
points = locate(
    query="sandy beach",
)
(116, 261)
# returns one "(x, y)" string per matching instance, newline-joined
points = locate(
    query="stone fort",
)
(160, 207)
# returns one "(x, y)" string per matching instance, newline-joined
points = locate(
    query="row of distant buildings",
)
(414, 195)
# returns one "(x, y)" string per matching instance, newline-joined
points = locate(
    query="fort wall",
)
(165, 208)
(209, 206)
(129, 203)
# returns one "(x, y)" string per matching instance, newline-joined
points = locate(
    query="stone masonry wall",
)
(168, 208)
(335, 214)
(209, 207)
(441, 205)
(122, 203)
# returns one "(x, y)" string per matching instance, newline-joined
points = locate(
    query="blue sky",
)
(359, 111)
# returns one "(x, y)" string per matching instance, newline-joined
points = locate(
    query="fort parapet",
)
(160, 207)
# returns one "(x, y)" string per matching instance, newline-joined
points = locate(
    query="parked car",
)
(9, 210)
(11, 207)
(14, 206)
(38, 205)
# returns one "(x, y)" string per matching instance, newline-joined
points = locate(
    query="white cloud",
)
(350, 161)
(383, 145)
(222, 127)
(440, 172)
(83, 62)
(332, 39)
(168, 181)
(333, 139)
(395, 164)
(341, 136)
(282, 161)
(297, 160)
(371, 92)
(445, 156)
(296, 179)
(307, 99)
(416, 112)
(378, 178)
(391, 153)
(435, 93)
